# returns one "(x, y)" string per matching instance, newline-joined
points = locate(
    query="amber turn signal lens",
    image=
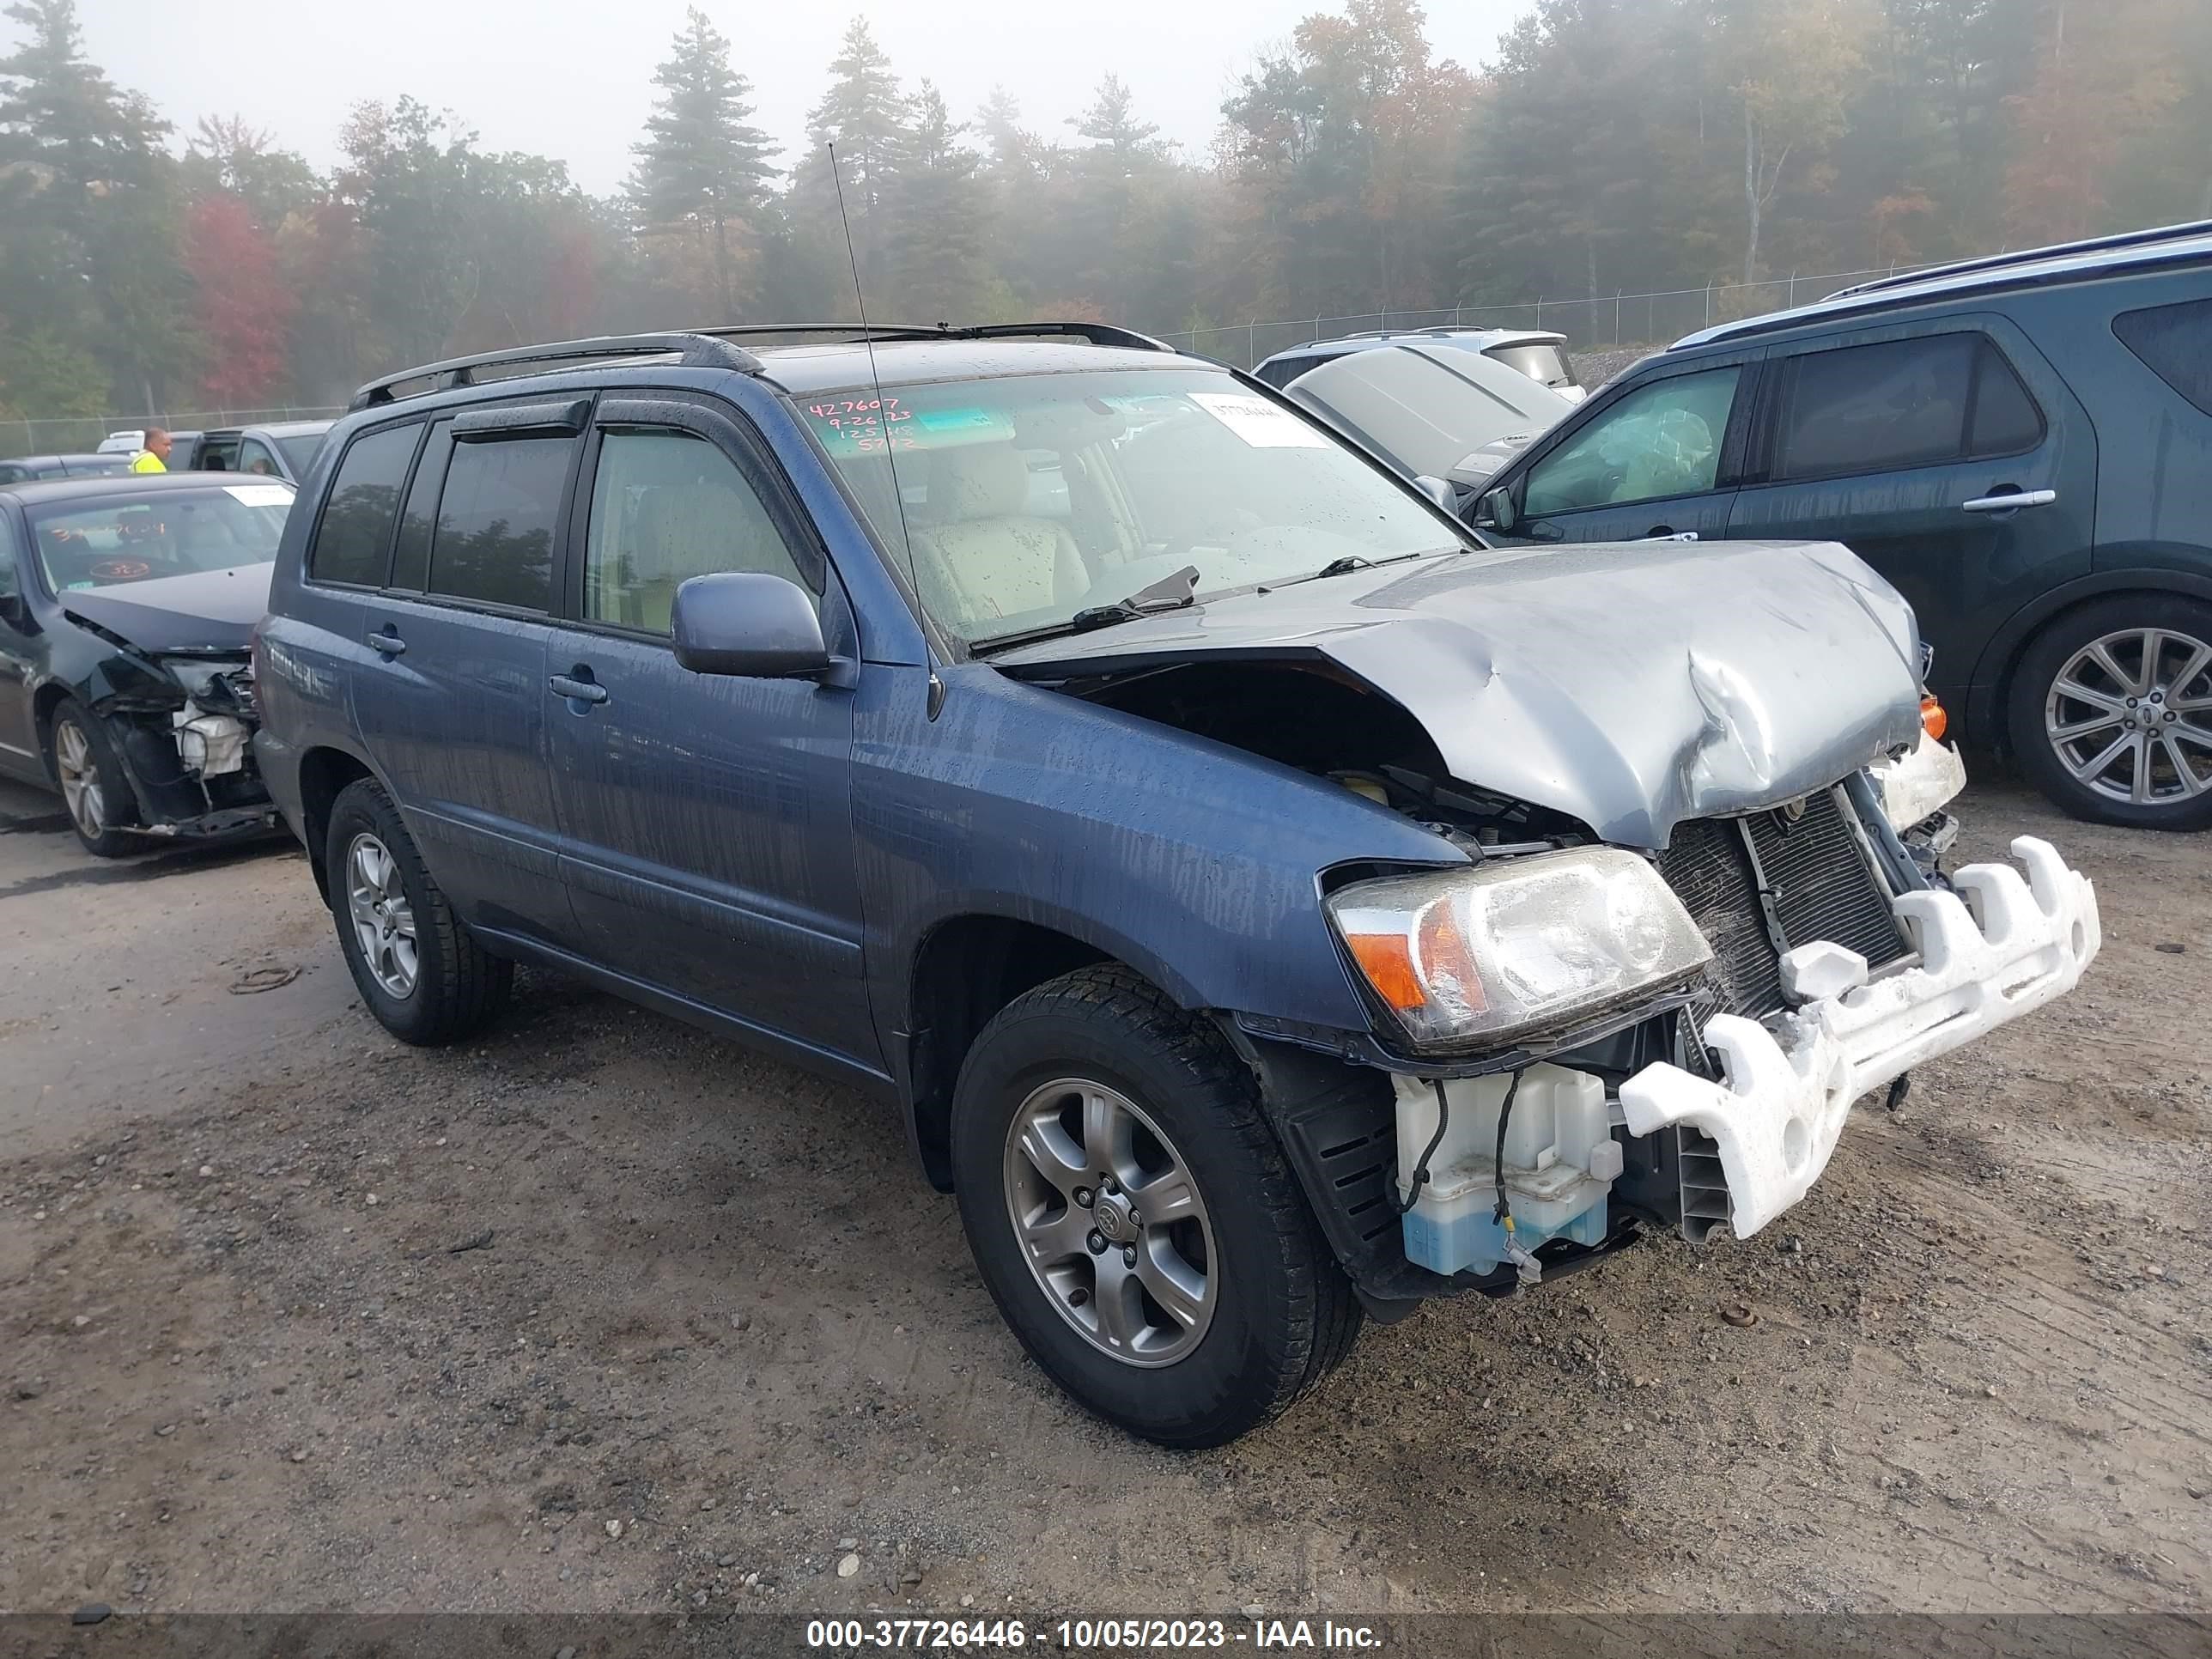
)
(1933, 721)
(1387, 959)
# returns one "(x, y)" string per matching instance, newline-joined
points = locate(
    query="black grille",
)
(1822, 887)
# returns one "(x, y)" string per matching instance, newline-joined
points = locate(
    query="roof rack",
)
(710, 348)
(1095, 333)
(2035, 256)
(697, 349)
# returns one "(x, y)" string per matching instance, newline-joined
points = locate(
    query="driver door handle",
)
(388, 642)
(2010, 502)
(1660, 532)
(578, 690)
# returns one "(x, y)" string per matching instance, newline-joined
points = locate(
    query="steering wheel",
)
(118, 570)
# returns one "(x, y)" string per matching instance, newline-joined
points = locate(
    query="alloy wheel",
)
(383, 920)
(2130, 716)
(82, 791)
(1111, 1222)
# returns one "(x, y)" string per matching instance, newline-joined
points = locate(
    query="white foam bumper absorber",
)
(1998, 947)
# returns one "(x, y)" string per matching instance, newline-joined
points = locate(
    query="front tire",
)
(1093, 1112)
(2110, 712)
(418, 967)
(89, 774)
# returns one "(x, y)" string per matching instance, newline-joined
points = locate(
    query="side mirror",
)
(1437, 490)
(748, 624)
(15, 613)
(1497, 510)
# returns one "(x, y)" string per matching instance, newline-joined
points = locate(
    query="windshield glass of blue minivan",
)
(1031, 499)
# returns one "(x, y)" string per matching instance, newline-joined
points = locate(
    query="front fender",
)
(1194, 863)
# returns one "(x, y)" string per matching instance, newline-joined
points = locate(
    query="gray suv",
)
(1226, 867)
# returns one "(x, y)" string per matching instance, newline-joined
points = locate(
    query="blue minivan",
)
(1267, 905)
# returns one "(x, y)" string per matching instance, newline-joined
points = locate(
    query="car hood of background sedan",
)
(209, 609)
(1632, 686)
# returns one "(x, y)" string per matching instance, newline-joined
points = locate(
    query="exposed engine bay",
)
(184, 722)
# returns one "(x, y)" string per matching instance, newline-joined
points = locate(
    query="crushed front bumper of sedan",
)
(189, 758)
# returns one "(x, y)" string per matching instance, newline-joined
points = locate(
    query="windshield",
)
(1031, 498)
(138, 536)
(300, 453)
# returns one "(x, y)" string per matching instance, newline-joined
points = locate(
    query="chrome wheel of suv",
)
(1110, 1222)
(383, 920)
(2130, 716)
(80, 780)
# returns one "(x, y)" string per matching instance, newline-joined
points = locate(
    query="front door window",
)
(1661, 441)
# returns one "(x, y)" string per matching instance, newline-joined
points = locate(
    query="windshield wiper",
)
(1173, 593)
(1351, 562)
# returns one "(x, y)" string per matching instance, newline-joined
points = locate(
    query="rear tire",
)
(94, 786)
(2110, 712)
(1098, 1074)
(420, 971)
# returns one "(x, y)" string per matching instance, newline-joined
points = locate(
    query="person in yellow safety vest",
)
(155, 458)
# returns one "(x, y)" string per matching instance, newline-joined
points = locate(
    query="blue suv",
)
(1269, 907)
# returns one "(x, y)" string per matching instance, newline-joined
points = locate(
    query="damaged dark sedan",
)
(1266, 906)
(126, 609)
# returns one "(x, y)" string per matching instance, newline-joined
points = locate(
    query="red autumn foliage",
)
(244, 307)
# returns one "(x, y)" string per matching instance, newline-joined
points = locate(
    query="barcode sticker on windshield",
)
(1258, 422)
(267, 495)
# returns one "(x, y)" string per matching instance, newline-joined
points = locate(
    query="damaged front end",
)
(183, 721)
(1721, 1005)
(1688, 905)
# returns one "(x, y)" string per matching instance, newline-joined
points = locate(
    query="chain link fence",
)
(1609, 322)
(80, 436)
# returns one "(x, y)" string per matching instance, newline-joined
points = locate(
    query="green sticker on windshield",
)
(865, 425)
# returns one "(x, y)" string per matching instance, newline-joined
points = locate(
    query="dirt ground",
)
(599, 1313)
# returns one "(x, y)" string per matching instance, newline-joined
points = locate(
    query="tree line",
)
(1612, 145)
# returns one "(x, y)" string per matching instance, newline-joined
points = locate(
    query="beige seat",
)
(977, 555)
(685, 530)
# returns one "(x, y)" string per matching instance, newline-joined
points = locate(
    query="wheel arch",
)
(967, 968)
(325, 772)
(43, 702)
(1990, 694)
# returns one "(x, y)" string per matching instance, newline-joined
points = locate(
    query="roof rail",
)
(710, 348)
(1104, 334)
(698, 350)
(2127, 239)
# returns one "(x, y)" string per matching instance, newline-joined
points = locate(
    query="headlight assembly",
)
(1463, 956)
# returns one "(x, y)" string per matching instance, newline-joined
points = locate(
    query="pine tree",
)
(88, 199)
(703, 167)
(935, 215)
(1111, 125)
(868, 119)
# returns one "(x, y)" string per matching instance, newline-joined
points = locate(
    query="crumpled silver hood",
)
(1632, 686)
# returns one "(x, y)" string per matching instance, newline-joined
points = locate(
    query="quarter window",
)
(666, 507)
(2175, 343)
(1660, 440)
(254, 456)
(494, 541)
(355, 532)
(1899, 404)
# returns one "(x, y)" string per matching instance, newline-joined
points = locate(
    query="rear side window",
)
(1899, 404)
(494, 542)
(1284, 370)
(2175, 343)
(355, 532)
(1547, 365)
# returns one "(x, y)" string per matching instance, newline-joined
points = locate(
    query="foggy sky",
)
(572, 79)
